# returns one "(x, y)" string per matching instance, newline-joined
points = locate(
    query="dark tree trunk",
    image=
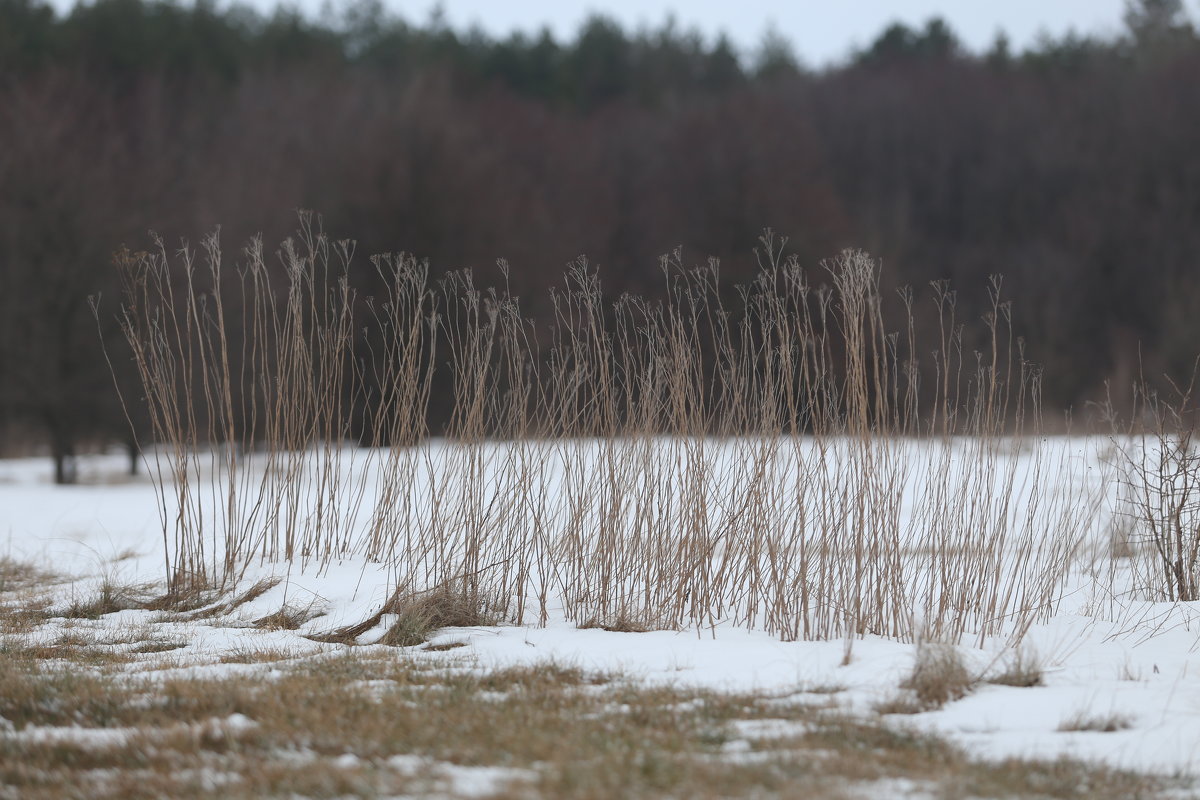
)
(66, 466)
(62, 450)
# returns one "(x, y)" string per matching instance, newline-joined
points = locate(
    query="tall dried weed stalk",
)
(772, 457)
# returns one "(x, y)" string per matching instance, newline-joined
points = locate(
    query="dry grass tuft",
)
(823, 688)
(288, 618)
(1023, 669)
(939, 676)
(185, 595)
(109, 598)
(622, 622)
(420, 615)
(548, 673)
(257, 590)
(347, 634)
(1084, 720)
(112, 597)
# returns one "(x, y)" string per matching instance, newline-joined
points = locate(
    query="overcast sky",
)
(820, 30)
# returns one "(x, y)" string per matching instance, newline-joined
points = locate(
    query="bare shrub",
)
(1160, 492)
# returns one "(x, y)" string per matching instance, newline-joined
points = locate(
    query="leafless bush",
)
(1160, 492)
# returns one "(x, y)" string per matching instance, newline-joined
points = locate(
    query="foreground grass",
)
(383, 722)
(96, 710)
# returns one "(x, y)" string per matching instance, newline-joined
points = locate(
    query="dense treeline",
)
(1070, 168)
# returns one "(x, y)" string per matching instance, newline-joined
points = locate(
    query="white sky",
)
(820, 30)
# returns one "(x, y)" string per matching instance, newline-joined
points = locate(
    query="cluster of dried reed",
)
(769, 457)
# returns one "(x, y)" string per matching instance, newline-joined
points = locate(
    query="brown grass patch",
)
(16, 575)
(257, 655)
(77, 655)
(24, 618)
(410, 725)
(157, 646)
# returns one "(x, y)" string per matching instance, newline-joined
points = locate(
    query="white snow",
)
(1104, 652)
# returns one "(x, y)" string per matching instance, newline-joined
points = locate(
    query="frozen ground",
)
(1129, 662)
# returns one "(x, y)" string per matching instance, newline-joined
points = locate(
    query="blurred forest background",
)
(1072, 168)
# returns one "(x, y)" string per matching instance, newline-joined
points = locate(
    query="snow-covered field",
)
(1106, 655)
